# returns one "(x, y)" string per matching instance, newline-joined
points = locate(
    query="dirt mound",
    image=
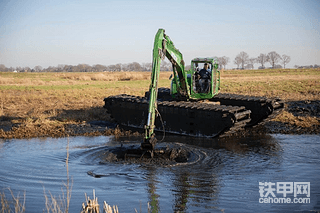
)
(299, 117)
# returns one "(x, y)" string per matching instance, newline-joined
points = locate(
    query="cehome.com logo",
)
(269, 190)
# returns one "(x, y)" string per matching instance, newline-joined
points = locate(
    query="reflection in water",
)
(153, 196)
(193, 187)
(234, 144)
(199, 183)
(182, 192)
(221, 174)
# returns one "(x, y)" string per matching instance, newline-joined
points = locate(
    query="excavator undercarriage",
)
(221, 115)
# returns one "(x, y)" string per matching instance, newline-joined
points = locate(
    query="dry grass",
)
(41, 104)
(288, 84)
(54, 79)
(92, 206)
(289, 118)
(8, 205)
(108, 76)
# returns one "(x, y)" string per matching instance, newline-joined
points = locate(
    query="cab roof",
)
(212, 60)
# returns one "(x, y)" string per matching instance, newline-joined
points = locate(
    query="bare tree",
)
(285, 60)
(165, 65)
(125, 67)
(223, 61)
(134, 66)
(237, 61)
(137, 66)
(219, 61)
(83, 68)
(26, 69)
(60, 67)
(111, 68)
(99, 67)
(147, 66)
(118, 67)
(226, 61)
(243, 57)
(251, 62)
(273, 58)
(68, 68)
(3, 68)
(19, 69)
(262, 59)
(37, 68)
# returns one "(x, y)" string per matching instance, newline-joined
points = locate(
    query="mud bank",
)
(30, 130)
(299, 117)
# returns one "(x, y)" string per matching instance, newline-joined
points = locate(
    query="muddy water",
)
(220, 175)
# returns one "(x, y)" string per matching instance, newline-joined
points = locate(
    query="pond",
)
(277, 173)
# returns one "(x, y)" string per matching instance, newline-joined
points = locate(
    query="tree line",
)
(134, 66)
(242, 60)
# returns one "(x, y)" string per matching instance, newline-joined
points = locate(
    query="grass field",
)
(40, 104)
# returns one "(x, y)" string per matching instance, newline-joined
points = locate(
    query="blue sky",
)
(48, 33)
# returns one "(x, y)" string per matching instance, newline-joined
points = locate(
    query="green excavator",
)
(193, 105)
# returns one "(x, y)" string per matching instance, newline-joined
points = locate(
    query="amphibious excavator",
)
(193, 106)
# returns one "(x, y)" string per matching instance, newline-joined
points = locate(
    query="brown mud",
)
(166, 155)
(299, 117)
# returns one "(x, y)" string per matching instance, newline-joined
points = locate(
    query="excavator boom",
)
(163, 47)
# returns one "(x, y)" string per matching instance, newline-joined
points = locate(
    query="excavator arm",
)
(163, 47)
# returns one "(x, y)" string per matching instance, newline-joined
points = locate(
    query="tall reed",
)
(61, 204)
(7, 205)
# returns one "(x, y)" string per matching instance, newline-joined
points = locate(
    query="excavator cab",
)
(201, 81)
(203, 78)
